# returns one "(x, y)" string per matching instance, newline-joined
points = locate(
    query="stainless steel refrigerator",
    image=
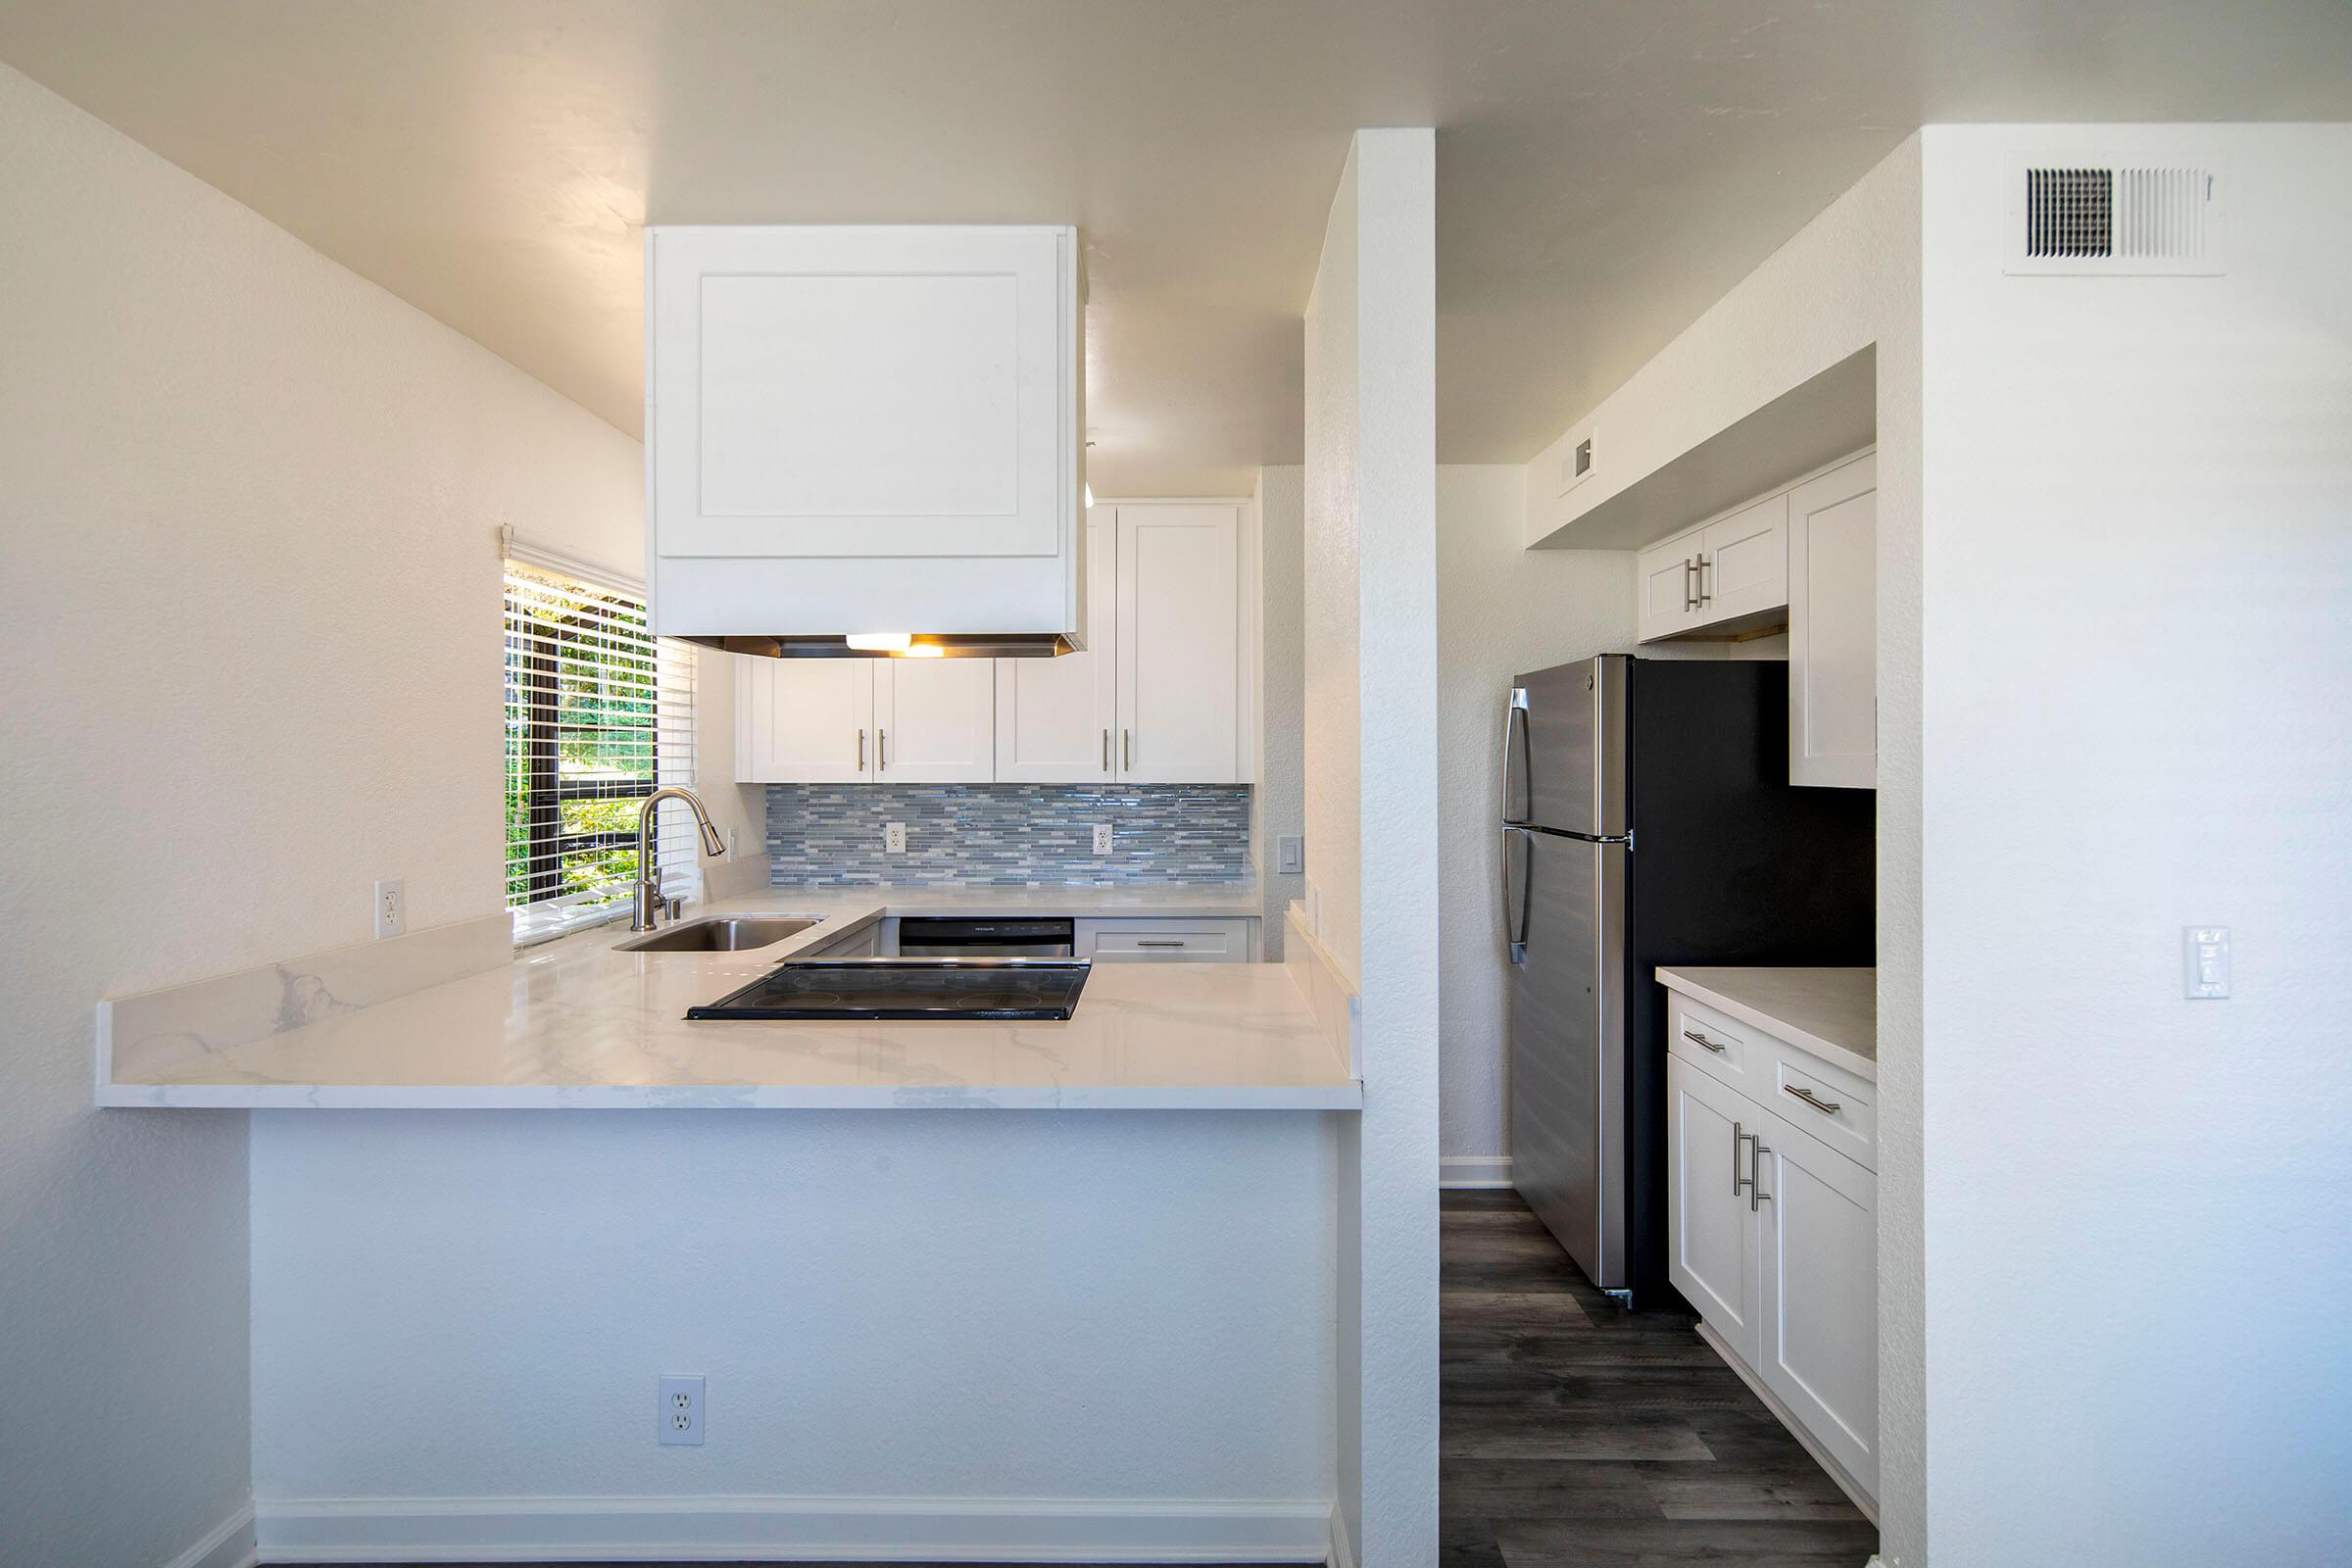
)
(1647, 819)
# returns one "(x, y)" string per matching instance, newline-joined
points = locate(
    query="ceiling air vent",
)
(2114, 218)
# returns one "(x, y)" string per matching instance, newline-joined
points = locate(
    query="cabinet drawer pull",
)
(1145, 943)
(1696, 1037)
(1827, 1107)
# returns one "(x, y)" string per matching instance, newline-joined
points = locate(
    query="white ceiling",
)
(1606, 167)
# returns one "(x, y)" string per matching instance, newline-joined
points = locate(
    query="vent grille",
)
(1576, 464)
(1583, 457)
(2069, 212)
(2092, 216)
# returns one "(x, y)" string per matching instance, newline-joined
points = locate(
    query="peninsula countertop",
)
(1832, 1012)
(574, 1023)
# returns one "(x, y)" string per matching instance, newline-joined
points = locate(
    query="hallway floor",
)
(1578, 1434)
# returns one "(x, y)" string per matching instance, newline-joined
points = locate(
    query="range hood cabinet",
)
(852, 430)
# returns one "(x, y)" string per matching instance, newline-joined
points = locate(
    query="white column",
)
(1371, 809)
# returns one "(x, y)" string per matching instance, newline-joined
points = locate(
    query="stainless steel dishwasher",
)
(932, 938)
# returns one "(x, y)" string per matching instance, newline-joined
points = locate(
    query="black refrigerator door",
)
(1566, 1023)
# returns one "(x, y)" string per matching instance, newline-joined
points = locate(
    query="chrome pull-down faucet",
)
(647, 908)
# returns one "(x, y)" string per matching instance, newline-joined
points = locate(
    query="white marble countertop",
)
(1832, 1012)
(576, 1023)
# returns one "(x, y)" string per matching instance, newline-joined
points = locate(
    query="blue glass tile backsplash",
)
(1008, 835)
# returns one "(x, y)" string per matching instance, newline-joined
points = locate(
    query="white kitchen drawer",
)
(1731, 1052)
(1207, 941)
(1832, 1105)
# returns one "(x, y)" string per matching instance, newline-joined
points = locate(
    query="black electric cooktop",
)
(993, 989)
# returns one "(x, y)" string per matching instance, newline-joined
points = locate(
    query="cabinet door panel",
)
(856, 391)
(1663, 577)
(804, 721)
(1747, 556)
(1834, 629)
(1179, 643)
(935, 720)
(1711, 1232)
(1820, 1337)
(1054, 716)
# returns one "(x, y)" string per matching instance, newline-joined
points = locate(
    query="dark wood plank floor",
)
(1579, 1435)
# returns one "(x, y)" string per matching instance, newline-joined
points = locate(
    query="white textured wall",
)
(1502, 609)
(248, 523)
(1277, 806)
(1848, 280)
(2135, 669)
(1371, 518)
(1330, 751)
(990, 1305)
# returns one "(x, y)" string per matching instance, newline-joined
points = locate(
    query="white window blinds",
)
(599, 713)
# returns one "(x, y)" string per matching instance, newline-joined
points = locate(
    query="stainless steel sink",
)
(718, 936)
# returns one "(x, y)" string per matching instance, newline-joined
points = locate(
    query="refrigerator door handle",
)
(1514, 935)
(1514, 734)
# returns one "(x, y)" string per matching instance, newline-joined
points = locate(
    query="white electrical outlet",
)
(1290, 855)
(681, 1421)
(391, 909)
(893, 838)
(1102, 838)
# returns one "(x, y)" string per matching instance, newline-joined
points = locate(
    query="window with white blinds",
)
(599, 713)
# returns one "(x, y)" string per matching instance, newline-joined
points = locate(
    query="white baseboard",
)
(1342, 1550)
(228, 1544)
(359, 1529)
(1474, 1170)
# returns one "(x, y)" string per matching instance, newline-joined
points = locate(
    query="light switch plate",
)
(893, 838)
(1290, 855)
(2205, 962)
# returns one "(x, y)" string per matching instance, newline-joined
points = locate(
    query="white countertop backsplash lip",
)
(574, 1023)
(1830, 1012)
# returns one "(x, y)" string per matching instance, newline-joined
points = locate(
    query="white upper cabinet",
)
(1179, 643)
(934, 719)
(1744, 563)
(1666, 577)
(862, 429)
(1833, 629)
(1055, 716)
(806, 721)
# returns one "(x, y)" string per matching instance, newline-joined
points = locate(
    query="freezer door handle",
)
(1514, 910)
(1514, 736)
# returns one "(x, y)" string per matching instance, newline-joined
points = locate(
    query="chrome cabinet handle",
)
(1690, 593)
(882, 750)
(1703, 595)
(1142, 943)
(862, 750)
(1755, 1183)
(1126, 748)
(1739, 1137)
(1694, 1034)
(1106, 751)
(1827, 1107)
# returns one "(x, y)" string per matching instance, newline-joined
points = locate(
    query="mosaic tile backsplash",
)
(1008, 835)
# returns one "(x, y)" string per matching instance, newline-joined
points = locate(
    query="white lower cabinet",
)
(1215, 940)
(1820, 1351)
(1772, 1234)
(1714, 1249)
